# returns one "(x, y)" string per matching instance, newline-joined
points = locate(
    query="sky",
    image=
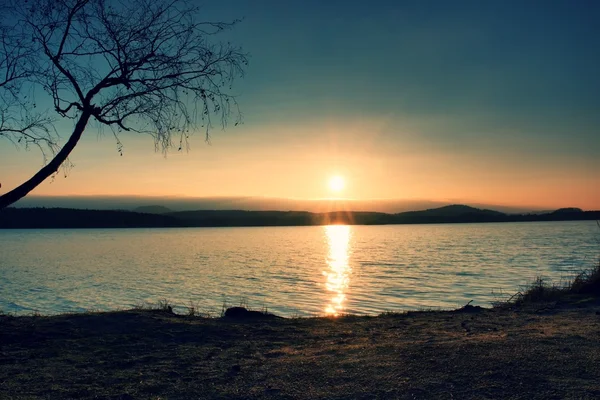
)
(477, 102)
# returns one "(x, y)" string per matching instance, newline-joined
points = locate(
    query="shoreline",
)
(65, 218)
(538, 350)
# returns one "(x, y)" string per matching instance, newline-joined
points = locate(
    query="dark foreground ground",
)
(549, 351)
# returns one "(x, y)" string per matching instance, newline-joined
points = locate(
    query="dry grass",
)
(585, 283)
(470, 353)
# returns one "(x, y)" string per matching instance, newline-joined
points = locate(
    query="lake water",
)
(291, 271)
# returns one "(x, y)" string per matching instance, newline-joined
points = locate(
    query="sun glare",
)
(339, 272)
(336, 184)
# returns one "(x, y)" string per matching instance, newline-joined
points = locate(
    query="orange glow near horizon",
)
(293, 168)
(337, 277)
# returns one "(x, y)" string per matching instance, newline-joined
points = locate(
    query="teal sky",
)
(472, 101)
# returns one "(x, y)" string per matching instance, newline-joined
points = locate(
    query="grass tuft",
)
(165, 305)
(161, 305)
(586, 282)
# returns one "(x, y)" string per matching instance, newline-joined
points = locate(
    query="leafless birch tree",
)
(144, 66)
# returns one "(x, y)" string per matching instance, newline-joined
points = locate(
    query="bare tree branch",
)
(140, 66)
(20, 123)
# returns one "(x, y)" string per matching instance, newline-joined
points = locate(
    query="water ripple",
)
(292, 271)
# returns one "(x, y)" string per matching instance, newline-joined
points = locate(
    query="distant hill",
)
(152, 209)
(75, 218)
(248, 203)
(459, 209)
(452, 211)
(40, 218)
(278, 218)
(570, 210)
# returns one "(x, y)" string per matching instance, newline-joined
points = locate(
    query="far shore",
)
(542, 350)
(65, 218)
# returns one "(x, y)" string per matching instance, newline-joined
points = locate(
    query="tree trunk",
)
(50, 168)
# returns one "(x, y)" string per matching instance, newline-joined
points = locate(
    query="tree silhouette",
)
(145, 66)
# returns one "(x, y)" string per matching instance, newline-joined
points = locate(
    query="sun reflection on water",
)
(338, 274)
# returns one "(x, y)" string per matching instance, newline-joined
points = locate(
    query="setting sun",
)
(336, 183)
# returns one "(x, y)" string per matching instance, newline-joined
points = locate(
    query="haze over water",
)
(289, 270)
